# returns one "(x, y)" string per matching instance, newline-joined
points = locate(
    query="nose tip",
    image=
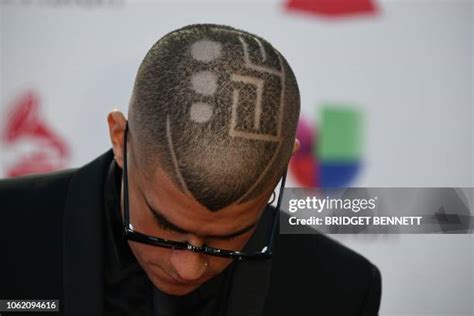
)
(189, 266)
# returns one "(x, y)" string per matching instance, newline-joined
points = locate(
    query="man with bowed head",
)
(175, 219)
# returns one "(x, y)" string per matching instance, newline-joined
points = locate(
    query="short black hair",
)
(217, 109)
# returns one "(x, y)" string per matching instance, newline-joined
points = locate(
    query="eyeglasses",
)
(136, 236)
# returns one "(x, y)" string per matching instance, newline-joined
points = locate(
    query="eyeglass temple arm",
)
(276, 221)
(125, 177)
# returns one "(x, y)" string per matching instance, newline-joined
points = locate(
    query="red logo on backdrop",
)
(33, 146)
(333, 8)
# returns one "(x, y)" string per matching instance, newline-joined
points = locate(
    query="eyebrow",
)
(165, 222)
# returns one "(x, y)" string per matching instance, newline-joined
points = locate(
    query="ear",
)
(117, 122)
(296, 146)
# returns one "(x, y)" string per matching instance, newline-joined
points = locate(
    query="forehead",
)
(165, 196)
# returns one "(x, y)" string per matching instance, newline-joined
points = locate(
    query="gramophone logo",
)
(31, 146)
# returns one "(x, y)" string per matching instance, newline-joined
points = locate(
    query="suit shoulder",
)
(30, 183)
(321, 267)
(24, 196)
(315, 268)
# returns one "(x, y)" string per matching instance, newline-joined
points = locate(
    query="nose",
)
(190, 266)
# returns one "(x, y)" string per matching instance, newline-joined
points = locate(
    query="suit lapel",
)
(82, 239)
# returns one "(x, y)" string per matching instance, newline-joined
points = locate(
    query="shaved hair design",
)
(217, 109)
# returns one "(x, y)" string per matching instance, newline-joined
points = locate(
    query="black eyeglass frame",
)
(136, 236)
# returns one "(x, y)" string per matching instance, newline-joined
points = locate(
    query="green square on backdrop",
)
(340, 133)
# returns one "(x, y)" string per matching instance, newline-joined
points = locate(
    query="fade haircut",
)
(217, 109)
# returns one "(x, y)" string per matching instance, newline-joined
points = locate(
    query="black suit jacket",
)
(51, 229)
